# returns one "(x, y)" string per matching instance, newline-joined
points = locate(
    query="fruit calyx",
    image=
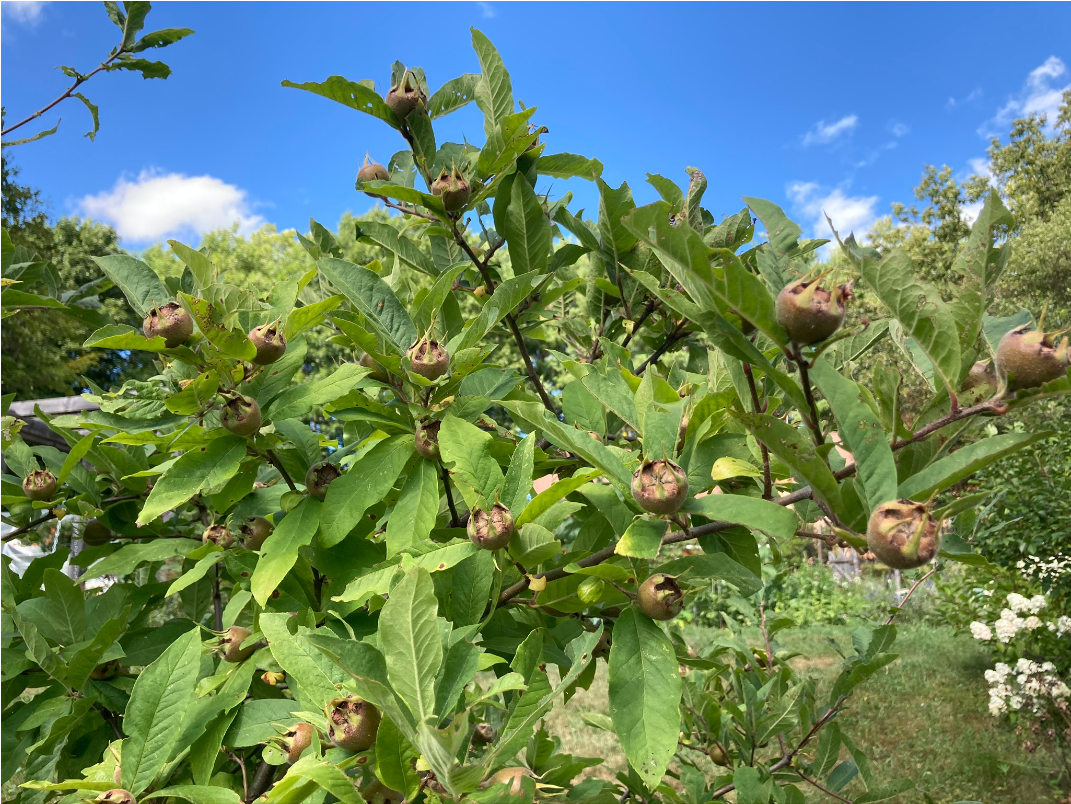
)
(241, 416)
(372, 171)
(319, 477)
(660, 487)
(491, 530)
(170, 322)
(40, 485)
(426, 439)
(218, 535)
(429, 358)
(255, 530)
(1029, 358)
(294, 740)
(230, 644)
(903, 535)
(270, 343)
(117, 796)
(452, 188)
(484, 734)
(405, 96)
(660, 597)
(809, 312)
(352, 723)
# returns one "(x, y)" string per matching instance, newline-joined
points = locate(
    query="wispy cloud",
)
(824, 132)
(1041, 94)
(900, 130)
(27, 12)
(487, 9)
(974, 95)
(156, 205)
(849, 213)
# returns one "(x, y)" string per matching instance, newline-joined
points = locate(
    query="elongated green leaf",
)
(645, 694)
(797, 450)
(413, 516)
(86, 659)
(783, 234)
(197, 794)
(519, 218)
(137, 281)
(374, 298)
(311, 315)
(494, 94)
(314, 674)
(547, 498)
(472, 580)
(466, 450)
(919, 307)
(195, 573)
(386, 236)
(231, 342)
(642, 539)
(860, 429)
(127, 558)
(200, 468)
(751, 512)
(253, 724)
(412, 647)
(965, 462)
(394, 760)
(517, 485)
(365, 483)
(613, 392)
(502, 302)
(279, 553)
(565, 166)
(67, 606)
(352, 94)
(158, 703)
(715, 565)
(300, 400)
(450, 97)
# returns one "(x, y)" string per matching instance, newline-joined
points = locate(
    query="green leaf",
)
(413, 517)
(565, 166)
(642, 539)
(148, 69)
(279, 553)
(314, 673)
(965, 462)
(533, 544)
(365, 483)
(613, 392)
(500, 304)
(466, 450)
(301, 399)
(494, 94)
(715, 565)
(412, 647)
(919, 307)
(197, 794)
(161, 38)
(231, 342)
(136, 12)
(518, 482)
(450, 97)
(352, 94)
(751, 512)
(472, 580)
(374, 298)
(128, 557)
(87, 658)
(38, 136)
(796, 450)
(886, 791)
(519, 218)
(253, 724)
(137, 281)
(122, 336)
(645, 694)
(93, 111)
(860, 429)
(394, 760)
(200, 468)
(67, 606)
(311, 315)
(195, 573)
(783, 234)
(158, 702)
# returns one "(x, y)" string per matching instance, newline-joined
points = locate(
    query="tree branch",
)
(677, 334)
(649, 308)
(815, 784)
(455, 521)
(416, 213)
(273, 459)
(767, 478)
(815, 422)
(12, 534)
(261, 782)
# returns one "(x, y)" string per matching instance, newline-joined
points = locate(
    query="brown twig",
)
(649, 308)
(217, 601)
(455, 520)
(815, 784)
(261, 782)
(677, 334)
(245, 779)
(767, 477)
(815, 423)
(416, 213)
(12, 534)
(273, 459)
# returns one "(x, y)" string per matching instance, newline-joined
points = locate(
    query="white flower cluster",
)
(1030, 685)
(1045, 569)
(1010, 623)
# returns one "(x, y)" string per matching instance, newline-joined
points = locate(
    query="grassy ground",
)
(924, 717)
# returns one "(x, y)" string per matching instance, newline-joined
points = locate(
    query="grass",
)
(923, 717)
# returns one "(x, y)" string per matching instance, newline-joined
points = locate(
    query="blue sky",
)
(831, 107)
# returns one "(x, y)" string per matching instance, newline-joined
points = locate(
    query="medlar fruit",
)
(241, 416)
(660, 487)
(270, 343)
(809, 312)
(377, 373)
(453, 189)
(219, 535)
(1030, 359)
(40, 485)
(902, 534)
(255, 530)
(660, 597)
(295, 740)
(405, 96)
(372, 171)
(230, 644)
(95, 533)
(490, 530)
(429, 359)
(117, 796)
(352, 723)
(319, 477)
(426, 439)
(484, 734)
(170, 322)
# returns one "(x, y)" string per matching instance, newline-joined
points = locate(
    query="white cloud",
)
(1041, 94)
(27, 12)
(849, 213)
(158, 205)
(971, 211)
(900, 130)
(975, 94)
(487, 9)
(824, 132)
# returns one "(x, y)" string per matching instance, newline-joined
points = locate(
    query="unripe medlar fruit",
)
(218, 535)
(319, 477)
(295, 740)
(230, 644)
(40, 485)
(717, 756)
(454, 190)
(405, 96)
(170, 322)
(1029, 359)
(117, 796)
(102, 672)
(241, 416)
(426, 439)
(811, 313)
(352, 723)
(377, 373)
(255, 530)
(270, 343)
(429, 359)
(372, 171)
(660, 487)
(512, 776)
(903, 535)
(95, 533)
(484, 734)
(660, 597)
(379, 793)
(490, 530)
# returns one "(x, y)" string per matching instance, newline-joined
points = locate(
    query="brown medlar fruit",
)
(230, 644)
(218, 535)
(484, 734)
(40, 485)
(490, 530)
(117, 796)
(377, 373)
(379, 793)
(270, 343)
(241, 416)
(660, 487)
(255, 530)
(429, 359)
(453, 189)
(372, 171)
(1030, 359)
(903, 535)
(295, 740)
(352, 723)
(809, 312)
(660, 597)
(426, 439)
(102, 672)
(513, 776)
(170, 322)
(319, 477)
(405, 96)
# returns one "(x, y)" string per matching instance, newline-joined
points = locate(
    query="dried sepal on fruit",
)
(269, 341)
(241, 416)
(40, 485)
(426, 439)
(117, 795)
(903, 534)
(429, 358)
(352, 723)
(170, 322)
(1029, 358)
(405, 96)
(660, 597)
(218, 535)
(491, 530)
(809, 312)
(452, 187)
(484, 734)
(319, 477)
(660, 487)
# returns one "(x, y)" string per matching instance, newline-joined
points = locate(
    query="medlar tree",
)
(301, 618)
